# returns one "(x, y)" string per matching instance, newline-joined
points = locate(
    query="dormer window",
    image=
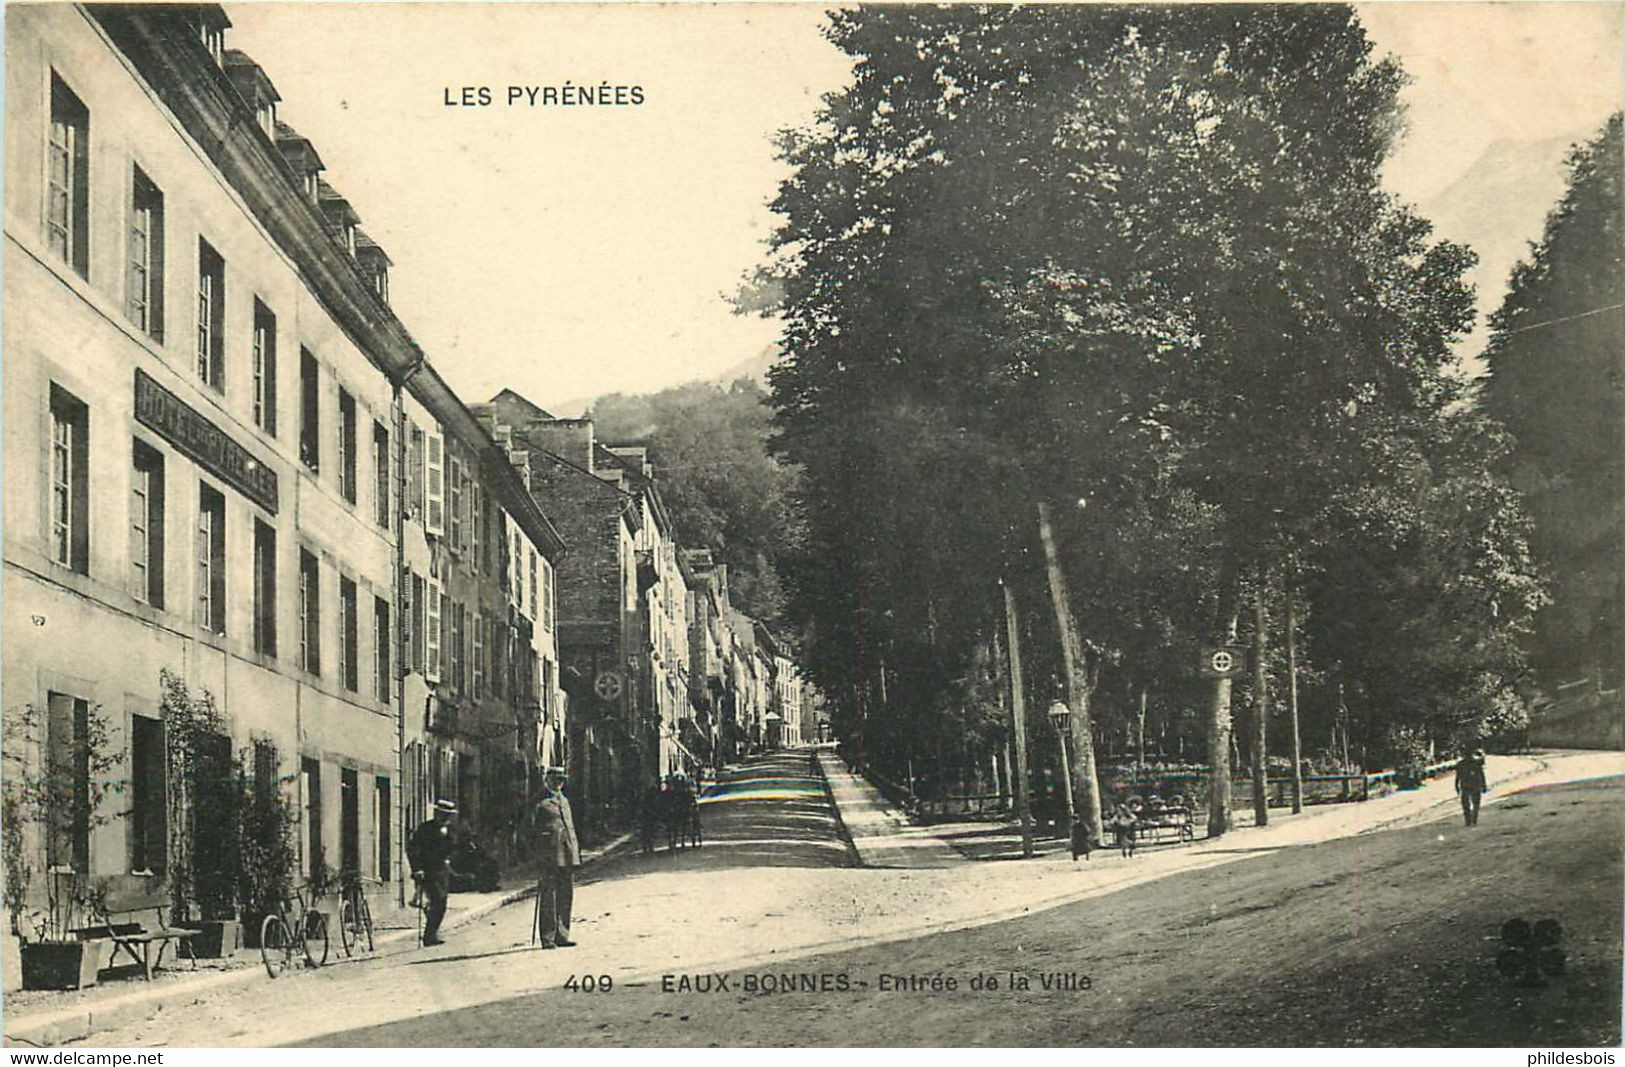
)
(300, 155)
(214, 41)
(255, 89)
(341, 217)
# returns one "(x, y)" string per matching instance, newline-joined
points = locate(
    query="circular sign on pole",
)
(607, 686)
(1223, 661)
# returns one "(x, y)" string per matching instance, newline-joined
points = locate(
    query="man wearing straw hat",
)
(429, 853)
(560, 856)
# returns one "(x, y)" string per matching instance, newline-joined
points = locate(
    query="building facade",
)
(213, 422)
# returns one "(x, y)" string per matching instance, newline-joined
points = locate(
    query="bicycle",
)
(276, 934)
(355, 916)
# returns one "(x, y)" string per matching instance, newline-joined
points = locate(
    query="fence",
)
(1317, 789)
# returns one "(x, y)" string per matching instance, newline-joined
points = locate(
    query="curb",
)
(840, 822)
(78, 1023)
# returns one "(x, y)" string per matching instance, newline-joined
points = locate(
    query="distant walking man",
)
(560, 856)
(1471, 784)
(429, 853)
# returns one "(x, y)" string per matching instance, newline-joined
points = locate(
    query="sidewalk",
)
(880, 835)
(46, 1018)
(884, 837)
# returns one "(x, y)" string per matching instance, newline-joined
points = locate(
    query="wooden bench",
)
(139, 928)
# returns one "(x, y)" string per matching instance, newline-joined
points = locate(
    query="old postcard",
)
(814, 525)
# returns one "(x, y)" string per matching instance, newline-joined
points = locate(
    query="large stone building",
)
(226, 459)
(624, 610)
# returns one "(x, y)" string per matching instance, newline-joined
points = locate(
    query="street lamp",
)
(1061, 716)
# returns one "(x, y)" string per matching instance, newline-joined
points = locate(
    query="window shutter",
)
(408, 627)
(434, 510)
(478, 636)
(431, 633)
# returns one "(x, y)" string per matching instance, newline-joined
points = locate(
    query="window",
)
(479, 656)
(264, 588)
(213, 36)
(310, 613)
(146, 256)
(380, 463)
(347, 460)
(476, 508)
(211, 316)
(454, 502)
(67, 198)
(349, 820)
(211, 559)
(148, 815)
(418, 615)
(453, 615)
(533, 584)
(349, 672)
(264, 368)
(310, 451)
(147, 525)
(70, 481)
(67, 753)
(381, 656)
(415, 474)
(500, 637)
(547, 598)
(310, 769)
(381, 806)
(266, 767)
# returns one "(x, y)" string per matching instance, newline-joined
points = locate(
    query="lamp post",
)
(1061, 715)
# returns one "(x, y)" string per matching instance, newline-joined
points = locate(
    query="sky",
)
(570, 252)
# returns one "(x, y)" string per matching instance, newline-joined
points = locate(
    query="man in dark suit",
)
(1471, 784)
(560, 856)
(429, 853)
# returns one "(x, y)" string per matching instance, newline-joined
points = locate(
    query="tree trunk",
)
(1292, 694)
(1218, 720)
(1140, 762)
(1084, 782)
(1261, 708)
(1018, 721)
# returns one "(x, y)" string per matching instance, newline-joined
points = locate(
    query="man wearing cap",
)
(429, 853)
(560, 856)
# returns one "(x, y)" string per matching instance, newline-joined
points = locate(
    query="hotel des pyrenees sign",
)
(204, 442)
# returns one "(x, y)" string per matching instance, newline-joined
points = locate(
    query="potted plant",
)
(265, 856)
(205, 831)
(56, 788)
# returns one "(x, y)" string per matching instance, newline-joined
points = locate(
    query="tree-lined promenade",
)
(1104, 314)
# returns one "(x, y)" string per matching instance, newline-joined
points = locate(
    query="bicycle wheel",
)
(316, 944)
(363, 928)
(347, 928)
(276, 945)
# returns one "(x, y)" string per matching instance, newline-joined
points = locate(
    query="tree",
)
(1556, 381)
(722, 488)
(1130, 269)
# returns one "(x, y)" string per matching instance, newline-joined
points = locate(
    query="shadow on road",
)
(771, 811)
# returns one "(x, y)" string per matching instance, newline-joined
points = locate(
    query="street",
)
(1367, 938)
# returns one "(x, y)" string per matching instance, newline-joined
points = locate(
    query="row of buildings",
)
(226, 459)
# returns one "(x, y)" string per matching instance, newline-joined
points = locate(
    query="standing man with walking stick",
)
(560, 856)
